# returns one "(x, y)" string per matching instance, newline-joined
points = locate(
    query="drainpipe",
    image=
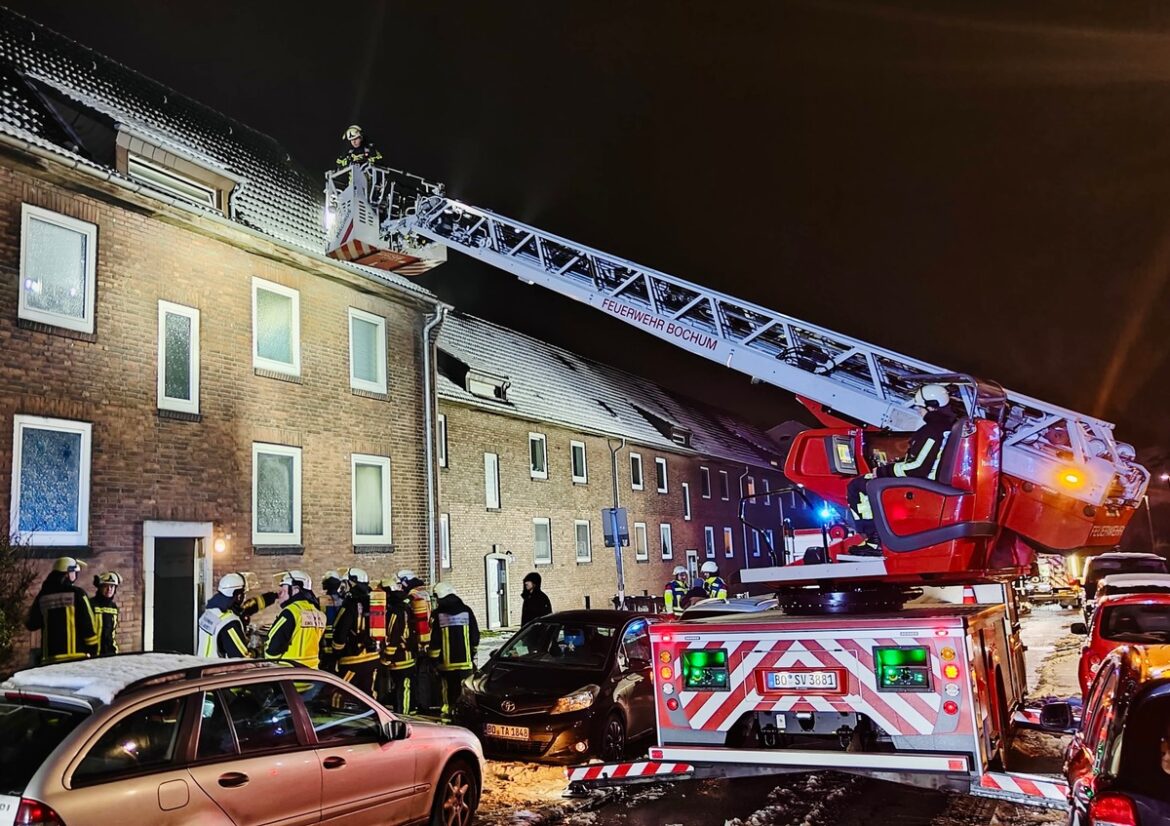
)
(743, 524)
(430, 403)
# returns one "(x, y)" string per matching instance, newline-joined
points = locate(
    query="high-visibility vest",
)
(715, 587)
(308, 627)
(673, 596)
(211, 623)
(451, 645)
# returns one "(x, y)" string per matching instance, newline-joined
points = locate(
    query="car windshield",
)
(28, 735)
(1136, 623)
(573, 644)
(1101, 568)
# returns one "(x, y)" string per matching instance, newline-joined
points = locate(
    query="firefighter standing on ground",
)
(296, 634)
(353, 645)
(454, 638)
(105, 612)
(334, 590)
(423, 686)
(63, 614)
(713, 584)
(399, 652)
(675, 591)
(359, 150)
(221, 626)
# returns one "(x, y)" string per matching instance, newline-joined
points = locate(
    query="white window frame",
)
(724, 486)
(705, 482)
(379, 384)
(80, 537)
(686, 492)
(641, 543)
(767, 492)
(445, 541)
(583, 479)
(156, 177)
(709, 542)
(543, 520)
(533, 472)
(728, 543)
(84, 324)
(577, 523)
(636, 458)
(662, 482)
(441, 434)
(165, 402)
(749, 485)
(259, 361)
(383, 462)
(770, 535)
(293, 538)
(491, 481)
(666, 537)
(755, 542)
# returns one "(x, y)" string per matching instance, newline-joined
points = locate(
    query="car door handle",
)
(333, 762)
(232, 780)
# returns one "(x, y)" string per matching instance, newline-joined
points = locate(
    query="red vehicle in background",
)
(1125, 619)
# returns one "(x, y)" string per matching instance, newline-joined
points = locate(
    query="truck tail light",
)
(34, 813)
(1107, 810)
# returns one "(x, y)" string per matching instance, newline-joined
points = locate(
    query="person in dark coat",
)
(105, 612)
(63, 614)
(536, 601)
(454, 638)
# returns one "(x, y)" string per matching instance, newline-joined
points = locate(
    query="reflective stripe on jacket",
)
(673, 596)
(715, 587)
(221, 635)
(63, 614)
(296, 634)
(105, 615)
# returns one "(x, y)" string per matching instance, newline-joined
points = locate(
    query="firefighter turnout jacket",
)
(63, 614)
(296, 634)
(352, 643)
(925, 449)
(221, 630)
(420, 607)
(401, 645)
(673, 596)
(715, 587)
(454, 635)
(105, 615)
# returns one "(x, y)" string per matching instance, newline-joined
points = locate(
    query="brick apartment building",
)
(526, 468)
(187, 386)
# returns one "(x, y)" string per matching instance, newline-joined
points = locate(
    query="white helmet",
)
(230, 583)
(358, 574)
(444, 589)
(679, 569)
(406, 574)
(109, 578)
(709, 567)
(330, 575)
(296, 578)
(352, 132)
(931, 396)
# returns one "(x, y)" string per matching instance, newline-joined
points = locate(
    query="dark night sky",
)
(979, 185)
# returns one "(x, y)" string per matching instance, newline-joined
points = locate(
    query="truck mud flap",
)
(599, 775)
(1043, 791)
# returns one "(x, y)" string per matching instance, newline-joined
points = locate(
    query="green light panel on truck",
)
(705, 669)
(902, 668)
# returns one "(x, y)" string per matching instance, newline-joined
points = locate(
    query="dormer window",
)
(172, 183)
(487, 386)
(171, 171)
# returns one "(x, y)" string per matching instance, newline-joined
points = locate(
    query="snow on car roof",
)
(1127, 555)
(102, 678)
(1135, 580)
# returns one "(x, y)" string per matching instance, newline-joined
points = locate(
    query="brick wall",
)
(149, 467)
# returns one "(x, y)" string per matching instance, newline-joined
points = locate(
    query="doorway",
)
(693, 564)
(176, 571)
(496, 579)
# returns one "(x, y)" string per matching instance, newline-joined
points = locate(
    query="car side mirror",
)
(394, 730)
(495, 652)
(1056, 716)
(1079, 628)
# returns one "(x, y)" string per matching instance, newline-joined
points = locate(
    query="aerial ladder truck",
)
(926, 694)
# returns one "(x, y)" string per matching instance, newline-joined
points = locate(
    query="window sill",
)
(370, 394)
(580, 482)
(276, 374)
(373, 549)
(52, 329)
(660, 490)
(278, 550)
(542, 562)
(54, 551)
(493, 510)
(584, 561)
(538, 478)
(179, 415)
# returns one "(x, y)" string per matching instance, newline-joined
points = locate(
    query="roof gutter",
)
(430, 406)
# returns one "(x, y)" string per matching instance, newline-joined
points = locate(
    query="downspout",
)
(430, 403)
(742, 523)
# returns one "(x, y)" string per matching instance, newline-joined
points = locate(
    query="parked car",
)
(1099, 567)
(569, 685)
(1133, 619)
(733, 605)
(170, 739)
(1118, 762)
(1116, 584)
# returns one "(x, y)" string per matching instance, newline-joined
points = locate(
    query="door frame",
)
(202, 533)
(692, 558)
(490, 560)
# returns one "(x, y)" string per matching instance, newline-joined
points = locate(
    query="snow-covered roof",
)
(275, 196)
(103, 678)
(551, 384)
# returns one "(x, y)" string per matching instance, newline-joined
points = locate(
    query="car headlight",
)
(580, 699)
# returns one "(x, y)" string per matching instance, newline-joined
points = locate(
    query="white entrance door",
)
(693, 564)
(496, 579)
(176, 574)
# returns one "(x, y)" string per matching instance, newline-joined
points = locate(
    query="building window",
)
(371, 500)
(542, 541)
(755, 542)
(660, 473)
(276, 495)
(537, 456)
(580, 469)
(724, 487)
(276, 327)
(491, 481)
(705, 482)
(178, 358)
(367, 351)
(636, 482)
(445, 540)
(442, 439)
(50, 481)
(641, 544)
(767, 493)
(58, 256)
(728, 542)
(686, 489)
(771, 537)
(709, 542)
(172, 183)
(749, 486)
(667, 544)
(584, 544)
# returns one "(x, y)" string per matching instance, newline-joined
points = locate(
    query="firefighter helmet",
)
(295, 578)
(352, 132)
(679, 569)
(229, 584)
(65, 564)
(109, 578)
(709, 567)
(932, 396)
(358, 574)
(444, 589)
(405, 574)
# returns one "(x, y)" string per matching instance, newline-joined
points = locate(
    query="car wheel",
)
(456, 796)
(613, 738)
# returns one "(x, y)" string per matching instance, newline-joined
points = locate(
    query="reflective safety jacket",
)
(673, 596)
(296, 634)
(63, 614)
(925, 449)
(420, 607)
(454, 635)
(366, 153)
(352, 642)
(401, 644)
(105, 615)
(221, 631)
(715, 587)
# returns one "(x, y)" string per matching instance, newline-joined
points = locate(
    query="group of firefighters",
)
(679, 594)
